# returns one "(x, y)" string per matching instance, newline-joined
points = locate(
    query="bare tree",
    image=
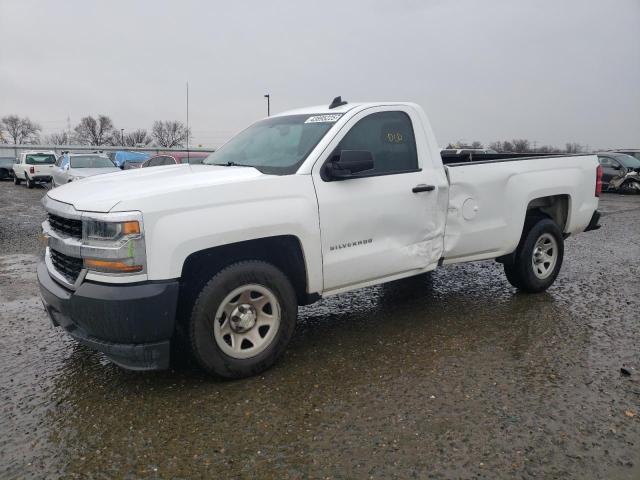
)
(520, 145)
(20, 130)
(137, 137)
(508, 146)
(94, 131)
(517, 145)
(497, 146)
(476, 144)
(60, 138)
(169, 133)
(573, 148)
(547, 149)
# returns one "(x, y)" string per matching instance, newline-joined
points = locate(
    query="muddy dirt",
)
(456, 376)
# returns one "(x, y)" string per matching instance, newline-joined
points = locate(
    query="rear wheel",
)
(538, 257)
(243, 319)
(30, 183)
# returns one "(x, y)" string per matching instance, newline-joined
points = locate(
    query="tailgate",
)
(41, 169)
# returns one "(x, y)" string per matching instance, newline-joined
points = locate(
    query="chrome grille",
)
(69, 267)
(66, 226)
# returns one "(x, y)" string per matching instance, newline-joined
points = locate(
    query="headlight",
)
(114, 246)
(98, 230)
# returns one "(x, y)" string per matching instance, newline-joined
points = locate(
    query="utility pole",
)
(268, 97)
(122, 136)
(187, 120)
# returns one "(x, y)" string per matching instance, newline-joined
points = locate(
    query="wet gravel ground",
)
(457, 376)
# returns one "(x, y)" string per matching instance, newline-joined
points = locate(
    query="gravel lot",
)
(458, 376)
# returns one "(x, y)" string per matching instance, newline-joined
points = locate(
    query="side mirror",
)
(348, 163)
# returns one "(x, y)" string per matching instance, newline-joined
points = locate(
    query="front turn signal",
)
(111, 266)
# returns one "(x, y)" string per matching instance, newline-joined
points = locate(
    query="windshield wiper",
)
(229, 164)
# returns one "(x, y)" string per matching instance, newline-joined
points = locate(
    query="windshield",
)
(40, 159)
(277, 145)
(91, 161)
(628, 161)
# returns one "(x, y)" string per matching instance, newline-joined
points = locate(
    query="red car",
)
(174, 158)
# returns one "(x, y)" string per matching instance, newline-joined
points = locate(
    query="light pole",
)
(122, 136)
(268, 97)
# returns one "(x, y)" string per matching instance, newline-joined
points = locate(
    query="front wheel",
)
(630, 187)
(538, 257)
(243, 319)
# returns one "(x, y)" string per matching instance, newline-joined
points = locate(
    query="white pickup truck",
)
(34, 167)
(299, 206)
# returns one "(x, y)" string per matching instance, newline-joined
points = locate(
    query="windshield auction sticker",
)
(332, 118)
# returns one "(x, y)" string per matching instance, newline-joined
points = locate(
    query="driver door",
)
(384, 222)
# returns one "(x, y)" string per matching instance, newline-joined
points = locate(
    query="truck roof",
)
(27, 152)
(324, 109)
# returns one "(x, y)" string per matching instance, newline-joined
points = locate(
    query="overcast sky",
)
(547, 70)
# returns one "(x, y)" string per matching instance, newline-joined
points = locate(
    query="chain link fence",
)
(12, 151)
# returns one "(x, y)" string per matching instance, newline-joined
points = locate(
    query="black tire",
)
(30, 183)
(630, 187)
(520, 272)
(16, 181)
(204, 347)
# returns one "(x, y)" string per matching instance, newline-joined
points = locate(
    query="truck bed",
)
(454, 159)
(489, 196)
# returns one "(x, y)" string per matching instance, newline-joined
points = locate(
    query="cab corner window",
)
(390, 139)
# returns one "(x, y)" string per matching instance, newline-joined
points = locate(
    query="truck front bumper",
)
(131, 324)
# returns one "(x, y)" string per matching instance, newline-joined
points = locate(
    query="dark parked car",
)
(173, 158)
(632, 151)
(6, 168)
(620, 172)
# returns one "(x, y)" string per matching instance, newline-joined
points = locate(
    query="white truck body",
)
(407, 230)
(29, 170)
(354, 233)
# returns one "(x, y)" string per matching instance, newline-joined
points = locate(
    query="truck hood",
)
(101, 193)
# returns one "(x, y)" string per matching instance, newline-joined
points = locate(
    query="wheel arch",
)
(555, 207)
(283, 251)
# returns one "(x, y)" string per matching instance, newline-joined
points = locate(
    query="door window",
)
(389, 137)
(605, 161)
(608, 162)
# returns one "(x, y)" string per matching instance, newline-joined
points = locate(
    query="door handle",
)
(423, 188)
